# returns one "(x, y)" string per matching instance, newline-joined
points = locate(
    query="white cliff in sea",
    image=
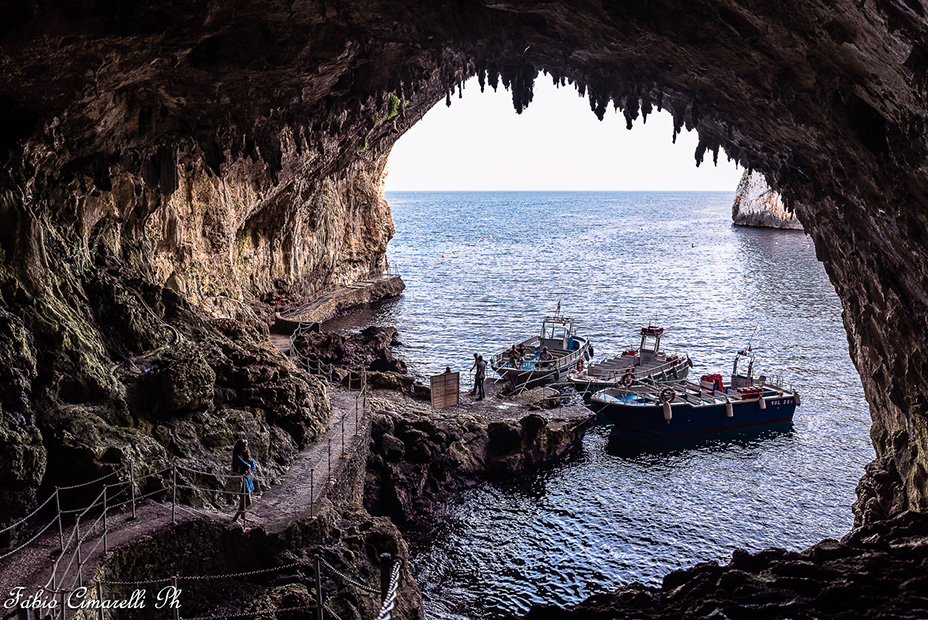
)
(756, 204)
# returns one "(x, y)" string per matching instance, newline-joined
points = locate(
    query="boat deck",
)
(685, 392)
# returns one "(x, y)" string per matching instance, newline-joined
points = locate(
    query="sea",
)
(482, 269)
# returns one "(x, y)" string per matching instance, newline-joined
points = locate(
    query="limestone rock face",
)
(757, 205)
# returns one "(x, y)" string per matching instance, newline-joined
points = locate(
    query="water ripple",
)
(482, 268)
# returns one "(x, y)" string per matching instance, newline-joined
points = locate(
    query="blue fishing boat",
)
(649, 411)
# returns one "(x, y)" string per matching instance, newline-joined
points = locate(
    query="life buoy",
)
(580, 365)
(668, 395)
(628, 378)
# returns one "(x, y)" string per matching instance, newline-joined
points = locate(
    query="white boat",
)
(648, 361)
(544, 358)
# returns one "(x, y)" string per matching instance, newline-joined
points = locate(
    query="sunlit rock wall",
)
(756, 204)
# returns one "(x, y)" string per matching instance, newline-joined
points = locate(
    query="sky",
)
(557, 143)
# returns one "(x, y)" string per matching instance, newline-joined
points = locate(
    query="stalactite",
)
(660, 101)
(448, 99)
(631, 111)
(596, 104)
(482, 77)
(715, 154)
(677, 124)
(523, 85)
(493, 77)
(645, 108)
(692, 118)
(700, 151)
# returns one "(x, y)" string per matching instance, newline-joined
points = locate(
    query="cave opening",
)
(483, 267)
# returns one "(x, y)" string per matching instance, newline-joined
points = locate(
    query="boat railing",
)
(561, 358)
(664, 368)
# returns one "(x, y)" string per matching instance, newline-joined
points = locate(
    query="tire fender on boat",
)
(762, 403)
(668, 413)
(729, 411)
(580, 365)
(796, 398)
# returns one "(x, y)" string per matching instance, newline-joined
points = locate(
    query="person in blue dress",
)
(243, 465)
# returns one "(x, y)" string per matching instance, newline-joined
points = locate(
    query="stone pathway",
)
(327, 305)
(302, 487)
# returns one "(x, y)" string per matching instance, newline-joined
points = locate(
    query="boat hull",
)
(648, 422)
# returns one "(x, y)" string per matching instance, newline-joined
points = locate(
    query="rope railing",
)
(88, 537)
(31, 540)
(30, 515)
(389, 600)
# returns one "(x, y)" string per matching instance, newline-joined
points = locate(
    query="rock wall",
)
(419, 456)
(756, 204)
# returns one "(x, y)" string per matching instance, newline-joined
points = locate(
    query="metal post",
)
(357, 431)
(386, 568)
(100, 598)
(330, 460)
(174, 495)
(60, 526)
(106, 489)
(344, 456)
(132, 484)
(80, 560)
(318, 588)
(176, 593)
(312, 491)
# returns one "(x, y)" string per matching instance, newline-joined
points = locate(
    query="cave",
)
(172, 170)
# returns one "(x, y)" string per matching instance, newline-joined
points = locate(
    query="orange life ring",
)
(580, 365)
(628, 378)
(668, 395)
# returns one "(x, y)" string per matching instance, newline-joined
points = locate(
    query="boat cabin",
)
(557, 333)
(747, 379)
(650, 343)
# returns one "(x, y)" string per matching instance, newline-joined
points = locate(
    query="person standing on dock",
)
(480, 376)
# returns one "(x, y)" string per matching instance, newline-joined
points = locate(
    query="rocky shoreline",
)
(876, 571)
(419, 456)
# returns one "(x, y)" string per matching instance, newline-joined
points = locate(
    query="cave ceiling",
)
(827, 99)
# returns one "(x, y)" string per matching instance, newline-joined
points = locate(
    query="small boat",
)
(545, 358)
(647, 362)
(649, 411)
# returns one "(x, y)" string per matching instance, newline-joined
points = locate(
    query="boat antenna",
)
(751, 339)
